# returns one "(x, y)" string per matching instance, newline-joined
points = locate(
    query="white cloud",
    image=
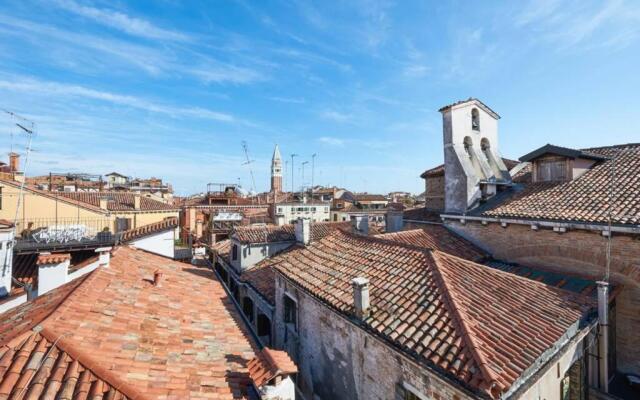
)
(335, 116)
(415, 71)
(332, 141)
(291, 100)
(122, 22)
(59, 89)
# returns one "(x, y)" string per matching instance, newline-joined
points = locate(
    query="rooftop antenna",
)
(292, 173)
(313, 170)
(249, 161)
(302, 183)
(612, 180)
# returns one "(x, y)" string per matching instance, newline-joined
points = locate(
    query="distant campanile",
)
(276, 171)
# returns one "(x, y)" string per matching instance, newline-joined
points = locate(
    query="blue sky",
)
(171, 88)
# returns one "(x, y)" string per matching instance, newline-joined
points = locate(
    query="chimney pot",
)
(361, 296)
(603, 340)
(136, 201)
(360, 224)
(394, 221)
(104, 256)
(157, 278)
(103, 203)
(14, 162)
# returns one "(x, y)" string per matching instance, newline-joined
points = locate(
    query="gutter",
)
(542, 223)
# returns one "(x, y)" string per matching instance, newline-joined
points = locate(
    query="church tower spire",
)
(276, 171)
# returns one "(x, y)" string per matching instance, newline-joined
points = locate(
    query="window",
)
(313, 209)
(290, 312)
(475, 119)
(247, 308)
(551, 170)
(279, 210)
(234, 252)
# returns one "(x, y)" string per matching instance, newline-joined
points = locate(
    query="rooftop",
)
(181, 338)
(117, 201)
(584, 199)
(284, 233)
(477, 325)
(437, 237)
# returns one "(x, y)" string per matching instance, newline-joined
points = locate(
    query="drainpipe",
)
(603, 342)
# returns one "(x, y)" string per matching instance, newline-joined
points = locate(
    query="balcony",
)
(35, 235)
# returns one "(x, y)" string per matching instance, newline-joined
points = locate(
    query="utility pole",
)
(292, 173)
(313, 171)
(302, 183)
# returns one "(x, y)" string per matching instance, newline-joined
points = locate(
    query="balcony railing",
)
(40, 234)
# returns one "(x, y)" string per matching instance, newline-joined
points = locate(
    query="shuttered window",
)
(551, 171)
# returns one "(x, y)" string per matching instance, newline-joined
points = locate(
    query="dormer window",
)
(475, 119)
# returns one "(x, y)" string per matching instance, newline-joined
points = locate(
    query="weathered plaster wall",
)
(338, 360)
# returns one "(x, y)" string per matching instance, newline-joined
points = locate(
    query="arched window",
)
(475, 119)
(468, 145)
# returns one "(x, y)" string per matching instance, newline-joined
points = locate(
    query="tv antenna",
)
(249, 161)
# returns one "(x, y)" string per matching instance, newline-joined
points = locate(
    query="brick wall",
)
(577, 252)
(434, 192)
(338, 360)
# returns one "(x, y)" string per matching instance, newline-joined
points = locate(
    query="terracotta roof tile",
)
(270, 363)
(284, 233)
(437, 237)
(584, 199)
(481, 326)
(117, 201)
(54, 258)
(181, 339)
(149, 229)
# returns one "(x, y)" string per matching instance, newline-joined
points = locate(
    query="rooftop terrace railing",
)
(46, 233)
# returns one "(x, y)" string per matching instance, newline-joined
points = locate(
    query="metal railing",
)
(46, 232)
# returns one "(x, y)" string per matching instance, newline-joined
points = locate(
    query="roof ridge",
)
(490, 378)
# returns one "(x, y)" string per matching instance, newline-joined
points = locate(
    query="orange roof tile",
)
(284, 233)
(181, 339)
(149, 229)
(481, 326)
(437, 237)
(55, 258)
(270, 363)
(117, 201)
(586, 198)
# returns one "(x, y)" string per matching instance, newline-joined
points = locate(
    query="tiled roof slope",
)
(222, 248)
(586, 198)
(181, 339)
(117, 201)
(149, 229)
(437, 237)
(285, 233)
(263, 279)
(53, 372)
(480, 326)
(270, 363)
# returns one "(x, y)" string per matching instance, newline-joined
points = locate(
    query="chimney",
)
(271, 372)
(53, 271)
(104, 256)
(393, 221)
(303, 231)
(103, 203)
(360, 224)
(603, 341)
(157, 278)
(361, 296)
(14, 162)
(136, 201)
(6, 259)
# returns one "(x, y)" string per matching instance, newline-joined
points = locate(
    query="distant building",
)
(276, 171)
(288, 213)
(116, 180)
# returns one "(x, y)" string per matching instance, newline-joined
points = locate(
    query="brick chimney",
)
(360, 224)
(53, 271)
(136, 201)
(14, 162)
(303, 231)
(361, 296)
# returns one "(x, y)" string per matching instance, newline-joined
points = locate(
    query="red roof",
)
(180, 339)
(270, 363)
(586, 198)
(149, 229)
(437, 237)
(117, 201)
(481, 326)
(54, 258)
(284, 233)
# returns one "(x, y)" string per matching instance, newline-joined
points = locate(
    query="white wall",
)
(290, 212)
(161, 243)
(6, 260)
(251, 254)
